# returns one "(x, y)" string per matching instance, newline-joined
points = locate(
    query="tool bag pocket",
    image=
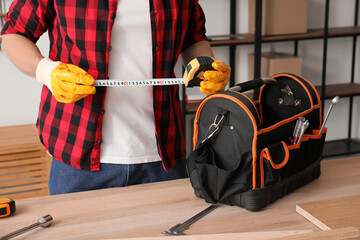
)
(244, 153)
(272, 161)
(213, 182)
(280, 160)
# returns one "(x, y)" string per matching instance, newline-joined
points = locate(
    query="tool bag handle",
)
(256, 83)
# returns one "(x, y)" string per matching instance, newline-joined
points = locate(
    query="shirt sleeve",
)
(196, 30)
(28, 18)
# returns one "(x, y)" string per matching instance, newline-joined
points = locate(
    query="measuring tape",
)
(142, 82)
(7, 207)
(193, 72)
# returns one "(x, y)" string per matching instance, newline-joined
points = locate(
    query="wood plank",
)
(340, 89)
(30, 194)
(33, 173)
(17, 189)
(227, 236)
(246, 38)
(22, 169)
(337, 234)
(18, 148)
(334, 213)
(32, 180)
(19, 138)
(331, 90)
(23, 162)
(21, 155)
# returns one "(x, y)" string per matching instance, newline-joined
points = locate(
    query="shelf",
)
(341, 90)
(242, 39)
(341, 147)
(191, 107)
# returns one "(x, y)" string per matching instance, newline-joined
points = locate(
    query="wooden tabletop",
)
(145, 210)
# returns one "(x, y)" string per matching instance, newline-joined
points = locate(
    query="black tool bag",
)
(243, 152)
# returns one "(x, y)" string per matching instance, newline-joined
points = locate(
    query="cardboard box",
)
(280, 16)
(274, 62)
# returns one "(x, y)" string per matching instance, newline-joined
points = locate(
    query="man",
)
(105, 137)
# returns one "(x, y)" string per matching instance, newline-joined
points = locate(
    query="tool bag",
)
(243, 153)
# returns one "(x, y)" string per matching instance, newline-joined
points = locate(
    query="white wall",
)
(19, 94)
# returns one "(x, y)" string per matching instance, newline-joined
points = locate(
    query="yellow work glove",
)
(214, 80)
(67, 82)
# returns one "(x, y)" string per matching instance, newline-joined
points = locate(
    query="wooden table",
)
(145, 210)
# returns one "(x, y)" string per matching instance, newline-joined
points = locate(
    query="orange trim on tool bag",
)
(318, 98)
(287, 120)
(261, 163)
(297, 80)
(306, 90)
(266, 154)
(316, 132)
(256, 102)
(259, 110)
(248, 112)
(312, 86)
(294, 146)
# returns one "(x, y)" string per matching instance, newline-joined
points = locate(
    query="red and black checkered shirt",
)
(80, 33)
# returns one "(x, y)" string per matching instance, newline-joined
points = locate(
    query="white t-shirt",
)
(128, 130)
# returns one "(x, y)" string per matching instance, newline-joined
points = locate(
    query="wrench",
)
(180, 227)
(334, 101)
(43, 222)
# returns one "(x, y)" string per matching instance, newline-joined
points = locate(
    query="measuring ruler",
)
(193, 71)
(142, 82)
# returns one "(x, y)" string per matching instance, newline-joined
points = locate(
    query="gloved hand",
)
(215, 80)
(67, 82)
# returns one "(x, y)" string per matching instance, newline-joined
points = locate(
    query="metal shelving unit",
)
(351, 89)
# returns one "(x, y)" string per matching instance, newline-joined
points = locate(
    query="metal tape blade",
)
(134, 83)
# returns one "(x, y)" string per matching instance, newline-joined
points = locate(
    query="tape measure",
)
(142, 82)
(193, 71)
(7, 207)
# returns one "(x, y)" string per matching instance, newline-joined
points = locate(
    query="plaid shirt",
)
(80, 33)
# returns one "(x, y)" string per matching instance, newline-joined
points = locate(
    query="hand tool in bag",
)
(193, 71)
(7, 207)
(43, 222)
(179, 228)
(304, 126)
(334, 101)
(301, 125)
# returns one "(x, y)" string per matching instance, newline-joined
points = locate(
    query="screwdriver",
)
(43, 222)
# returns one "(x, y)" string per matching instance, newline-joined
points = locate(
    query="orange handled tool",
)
(7, 207)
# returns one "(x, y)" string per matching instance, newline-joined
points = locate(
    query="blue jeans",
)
(66, 179)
